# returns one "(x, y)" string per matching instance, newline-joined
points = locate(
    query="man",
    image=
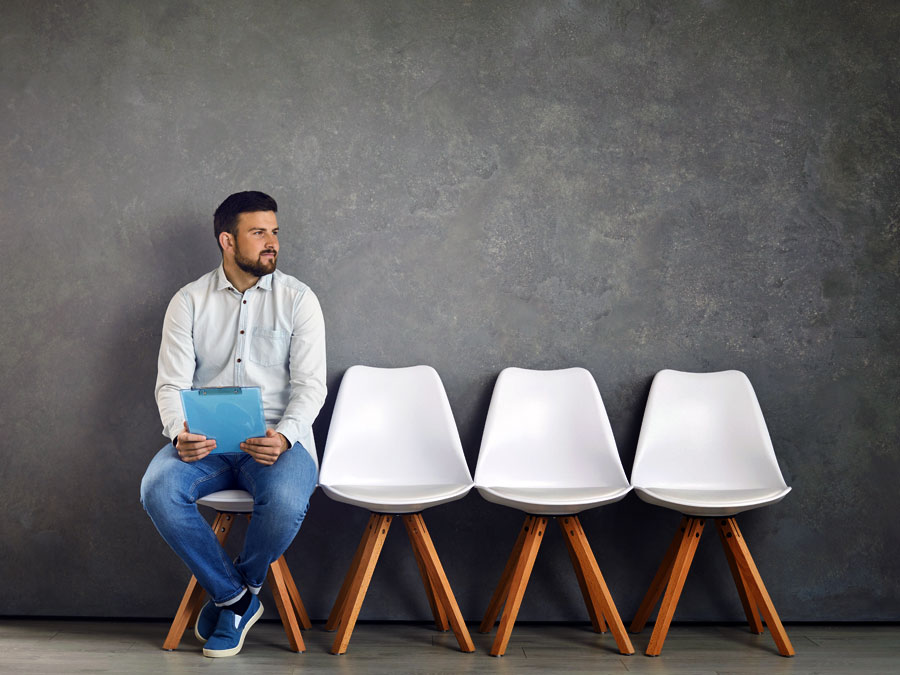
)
(243, 324)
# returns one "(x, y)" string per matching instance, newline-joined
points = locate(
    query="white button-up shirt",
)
(270, 336)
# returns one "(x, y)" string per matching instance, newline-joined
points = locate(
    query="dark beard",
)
(256, 268)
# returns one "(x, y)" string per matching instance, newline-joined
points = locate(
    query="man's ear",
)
(226, 241)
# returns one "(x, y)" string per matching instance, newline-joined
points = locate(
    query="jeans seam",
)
(223, 559)
(200, 481)
(250, 481)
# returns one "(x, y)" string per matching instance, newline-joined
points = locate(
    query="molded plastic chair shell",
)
(393, 446)
(228, 501)
(548, 448)
(704, 448)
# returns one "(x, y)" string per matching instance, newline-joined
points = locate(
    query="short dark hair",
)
(226, 217)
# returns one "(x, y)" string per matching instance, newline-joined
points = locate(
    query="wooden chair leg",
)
(334, 616)
(658, 585)
(593, 607)
(294, 594)
(418, 534)
(285, 606)
(743, 590)
(437, 609)
(598, 591)
(192, 601)
(679, 573)
(502, 589)
(750, 574)
(356, 591)
(536, 525)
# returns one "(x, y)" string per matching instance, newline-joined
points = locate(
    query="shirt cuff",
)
(172, 430)
(292, 430)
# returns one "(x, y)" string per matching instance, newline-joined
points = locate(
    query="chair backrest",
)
(704, 431)
(393, 426)
(548, 428)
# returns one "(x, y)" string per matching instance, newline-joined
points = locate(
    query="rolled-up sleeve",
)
(307, 369)
(176, 363)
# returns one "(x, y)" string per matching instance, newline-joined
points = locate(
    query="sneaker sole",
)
(219, 653)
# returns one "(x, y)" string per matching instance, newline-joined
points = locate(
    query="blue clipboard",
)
(230, 415)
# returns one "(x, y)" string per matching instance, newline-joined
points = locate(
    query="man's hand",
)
(267, 449)
(192, 447)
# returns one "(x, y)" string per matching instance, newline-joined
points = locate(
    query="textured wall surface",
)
(625, 186)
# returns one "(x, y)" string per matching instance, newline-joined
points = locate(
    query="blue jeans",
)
(169, 492)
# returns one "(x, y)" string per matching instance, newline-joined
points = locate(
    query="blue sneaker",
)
(231, 629)
(206, 621)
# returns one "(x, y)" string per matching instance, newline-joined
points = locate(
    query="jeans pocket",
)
(270, 347)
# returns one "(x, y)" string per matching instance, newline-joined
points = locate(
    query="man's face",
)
(256, 243)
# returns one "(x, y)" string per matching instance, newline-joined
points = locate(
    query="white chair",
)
(704, 451)
(227, 504)
(548, 450)
(393, 448)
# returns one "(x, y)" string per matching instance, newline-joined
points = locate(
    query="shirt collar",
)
(265, 282)
(222, 283)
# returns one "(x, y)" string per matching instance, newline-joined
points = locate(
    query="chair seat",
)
(553, 501)
(397, 498)
(229, 501)
(704, 502)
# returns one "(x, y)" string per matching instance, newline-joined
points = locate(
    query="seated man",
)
(243, 324)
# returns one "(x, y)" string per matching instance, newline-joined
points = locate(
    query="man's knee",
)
(286, 503)
(152, 489)
(157, 486)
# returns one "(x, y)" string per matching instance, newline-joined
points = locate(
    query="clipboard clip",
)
(211, 391)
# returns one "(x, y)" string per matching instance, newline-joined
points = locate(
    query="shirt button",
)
(239, 360)
(245, 302)
(242, 332)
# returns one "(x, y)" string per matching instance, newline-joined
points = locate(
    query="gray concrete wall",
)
(625, 186)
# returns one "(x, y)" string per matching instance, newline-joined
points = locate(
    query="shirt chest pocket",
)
(270, 347)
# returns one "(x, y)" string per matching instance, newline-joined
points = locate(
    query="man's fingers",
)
(262, 443)
(263, 454)
(198, 445)
(197, 450)
(258, 451)
(193, 449)
(193, 456)
(261, 440)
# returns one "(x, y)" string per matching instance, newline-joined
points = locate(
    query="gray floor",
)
(65, 646)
